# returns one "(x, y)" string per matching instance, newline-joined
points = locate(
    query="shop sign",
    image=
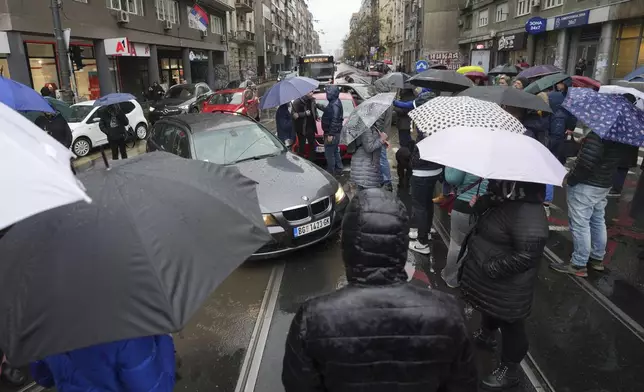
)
(123, 47)
(536, 25)
(511, 42)
(572, 20)
(4, 43)
(451, 59)
(197, 56)
(482, 45)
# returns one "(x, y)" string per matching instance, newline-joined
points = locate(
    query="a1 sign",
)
(536, 25)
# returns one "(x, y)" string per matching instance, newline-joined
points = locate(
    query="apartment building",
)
(242, 58)
(607, 34)
(125, 45)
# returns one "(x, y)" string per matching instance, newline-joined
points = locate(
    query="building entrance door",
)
(587, 51)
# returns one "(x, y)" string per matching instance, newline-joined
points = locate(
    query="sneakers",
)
(597, 265)
(418, 247)
(570, 268)
(504, 377)
(546, 206)
(439, 199)
(614, 193)
(484, 340)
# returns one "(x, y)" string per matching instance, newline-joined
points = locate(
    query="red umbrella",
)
(476, 75)
(585, 81)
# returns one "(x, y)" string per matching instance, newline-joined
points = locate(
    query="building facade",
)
(242, 58)
(413, 33)
(398, 32)
(123, 45)
(439, 43)
(607, 34)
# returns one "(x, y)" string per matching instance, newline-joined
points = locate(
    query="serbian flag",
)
(199, 17)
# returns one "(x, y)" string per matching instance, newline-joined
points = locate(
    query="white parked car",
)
(86, 133)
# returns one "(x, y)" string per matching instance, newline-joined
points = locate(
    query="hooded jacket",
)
(378, 333)
(142, 364)
(284, 123)
(501, 254)
(597, 162)
(560, 119)
(333, 115)
(365, 161)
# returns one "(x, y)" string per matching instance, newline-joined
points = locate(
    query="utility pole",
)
(61, 55)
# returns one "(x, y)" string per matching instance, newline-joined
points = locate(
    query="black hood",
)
(375, 238)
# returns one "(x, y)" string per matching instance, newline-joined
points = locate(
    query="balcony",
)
(218, 5)
(245, 37)
(244, 5)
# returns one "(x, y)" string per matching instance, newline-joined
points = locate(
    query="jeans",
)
(586, 209)
(550, 193)
(384, 166)
(619, 178)
(514, 344)
(404, 137)
(459, 227)
(332, 155)
(116, 146)
(422, 207)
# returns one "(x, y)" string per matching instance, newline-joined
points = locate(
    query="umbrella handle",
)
(107, 165)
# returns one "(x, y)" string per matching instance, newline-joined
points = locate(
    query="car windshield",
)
(182, 91)
(366, 91)
(79, 112)
(317, 70)
(347, 106)
(241, 142)
(226, 99)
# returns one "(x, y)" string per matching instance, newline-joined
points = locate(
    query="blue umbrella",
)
(287, 90)
(22, 98)
(635, 76)
(113, 98)
(610, 116)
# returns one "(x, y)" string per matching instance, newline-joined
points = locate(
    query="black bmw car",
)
(300, 202)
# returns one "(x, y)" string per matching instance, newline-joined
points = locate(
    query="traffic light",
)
(76, 53)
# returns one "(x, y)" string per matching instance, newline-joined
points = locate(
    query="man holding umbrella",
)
(305, 116)
(112, 123)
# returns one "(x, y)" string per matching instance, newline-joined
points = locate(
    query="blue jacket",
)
(284, 123)
(134, 365)
(560, 119)
(424, 96)
(333, 115)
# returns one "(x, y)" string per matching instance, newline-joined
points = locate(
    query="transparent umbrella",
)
(365, 116)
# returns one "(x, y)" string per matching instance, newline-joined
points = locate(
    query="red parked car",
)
(348, 104)
(237, 100)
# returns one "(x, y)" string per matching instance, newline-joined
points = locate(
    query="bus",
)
(320, 67)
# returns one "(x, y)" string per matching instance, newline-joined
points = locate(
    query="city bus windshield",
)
(317, 70)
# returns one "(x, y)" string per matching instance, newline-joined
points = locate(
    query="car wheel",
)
(81, 146)
(141, 131)
(194, 109)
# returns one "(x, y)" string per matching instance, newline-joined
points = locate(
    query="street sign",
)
(572, 20)
(421, 65)
(536, 25)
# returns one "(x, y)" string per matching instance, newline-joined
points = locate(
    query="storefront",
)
(481, 54)
(4, 52)
(128, 64)
(199, 66)
(628, 53)
(171, 67)
(510, 48)
(546, 48)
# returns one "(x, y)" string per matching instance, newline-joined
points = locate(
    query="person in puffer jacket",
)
(499, 261)
(284, 124)
(332, 119)
(588, 184)
(365, 161)
(144, 364)
(378, 333)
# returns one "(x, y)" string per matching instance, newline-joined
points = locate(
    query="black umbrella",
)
(344, 73)
(505, 69)
(507, 96)
(441, 80)
(161, 234)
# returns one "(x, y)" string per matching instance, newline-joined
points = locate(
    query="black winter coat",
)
(378, 334)
(57, 127)
(113, 133)
(303, 124)
(403, 121)
(596, 162)
(500, 260)
(629, 156)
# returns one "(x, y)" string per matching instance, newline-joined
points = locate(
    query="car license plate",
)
(319, 148)
(311, 227)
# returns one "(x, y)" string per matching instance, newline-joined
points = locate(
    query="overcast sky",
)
(333, 17)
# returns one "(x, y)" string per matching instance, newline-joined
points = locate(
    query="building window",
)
(552, 4)
(81, 1)
(130, 6)
(468, 22)
(216, 25)
(501, 12)
(191, 23)
(483, 18)
(629, 50)
(168, 10)
(523, 7)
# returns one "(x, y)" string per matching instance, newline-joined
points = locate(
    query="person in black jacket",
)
(304, 117)
(378, 334)
(332, 119)
(112, 123)
(499, 270)
(589, 182)
(56, 126)
(628, 160)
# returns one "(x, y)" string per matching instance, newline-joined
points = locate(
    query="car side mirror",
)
(94, 120)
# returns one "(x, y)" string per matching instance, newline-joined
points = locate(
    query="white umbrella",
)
(35, 170)
(612, 89)
(446, 112)
(493, 154)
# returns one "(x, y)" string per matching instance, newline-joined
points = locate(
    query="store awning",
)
(124, 47)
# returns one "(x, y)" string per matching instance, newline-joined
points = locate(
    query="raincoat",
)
(143, 365)
(352, 339)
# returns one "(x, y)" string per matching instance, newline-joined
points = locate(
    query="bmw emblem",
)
(305, 198)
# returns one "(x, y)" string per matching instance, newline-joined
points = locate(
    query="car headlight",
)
(240, 110)
(339, 194)
(151, 109)
(184, 107)
(269, 220)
